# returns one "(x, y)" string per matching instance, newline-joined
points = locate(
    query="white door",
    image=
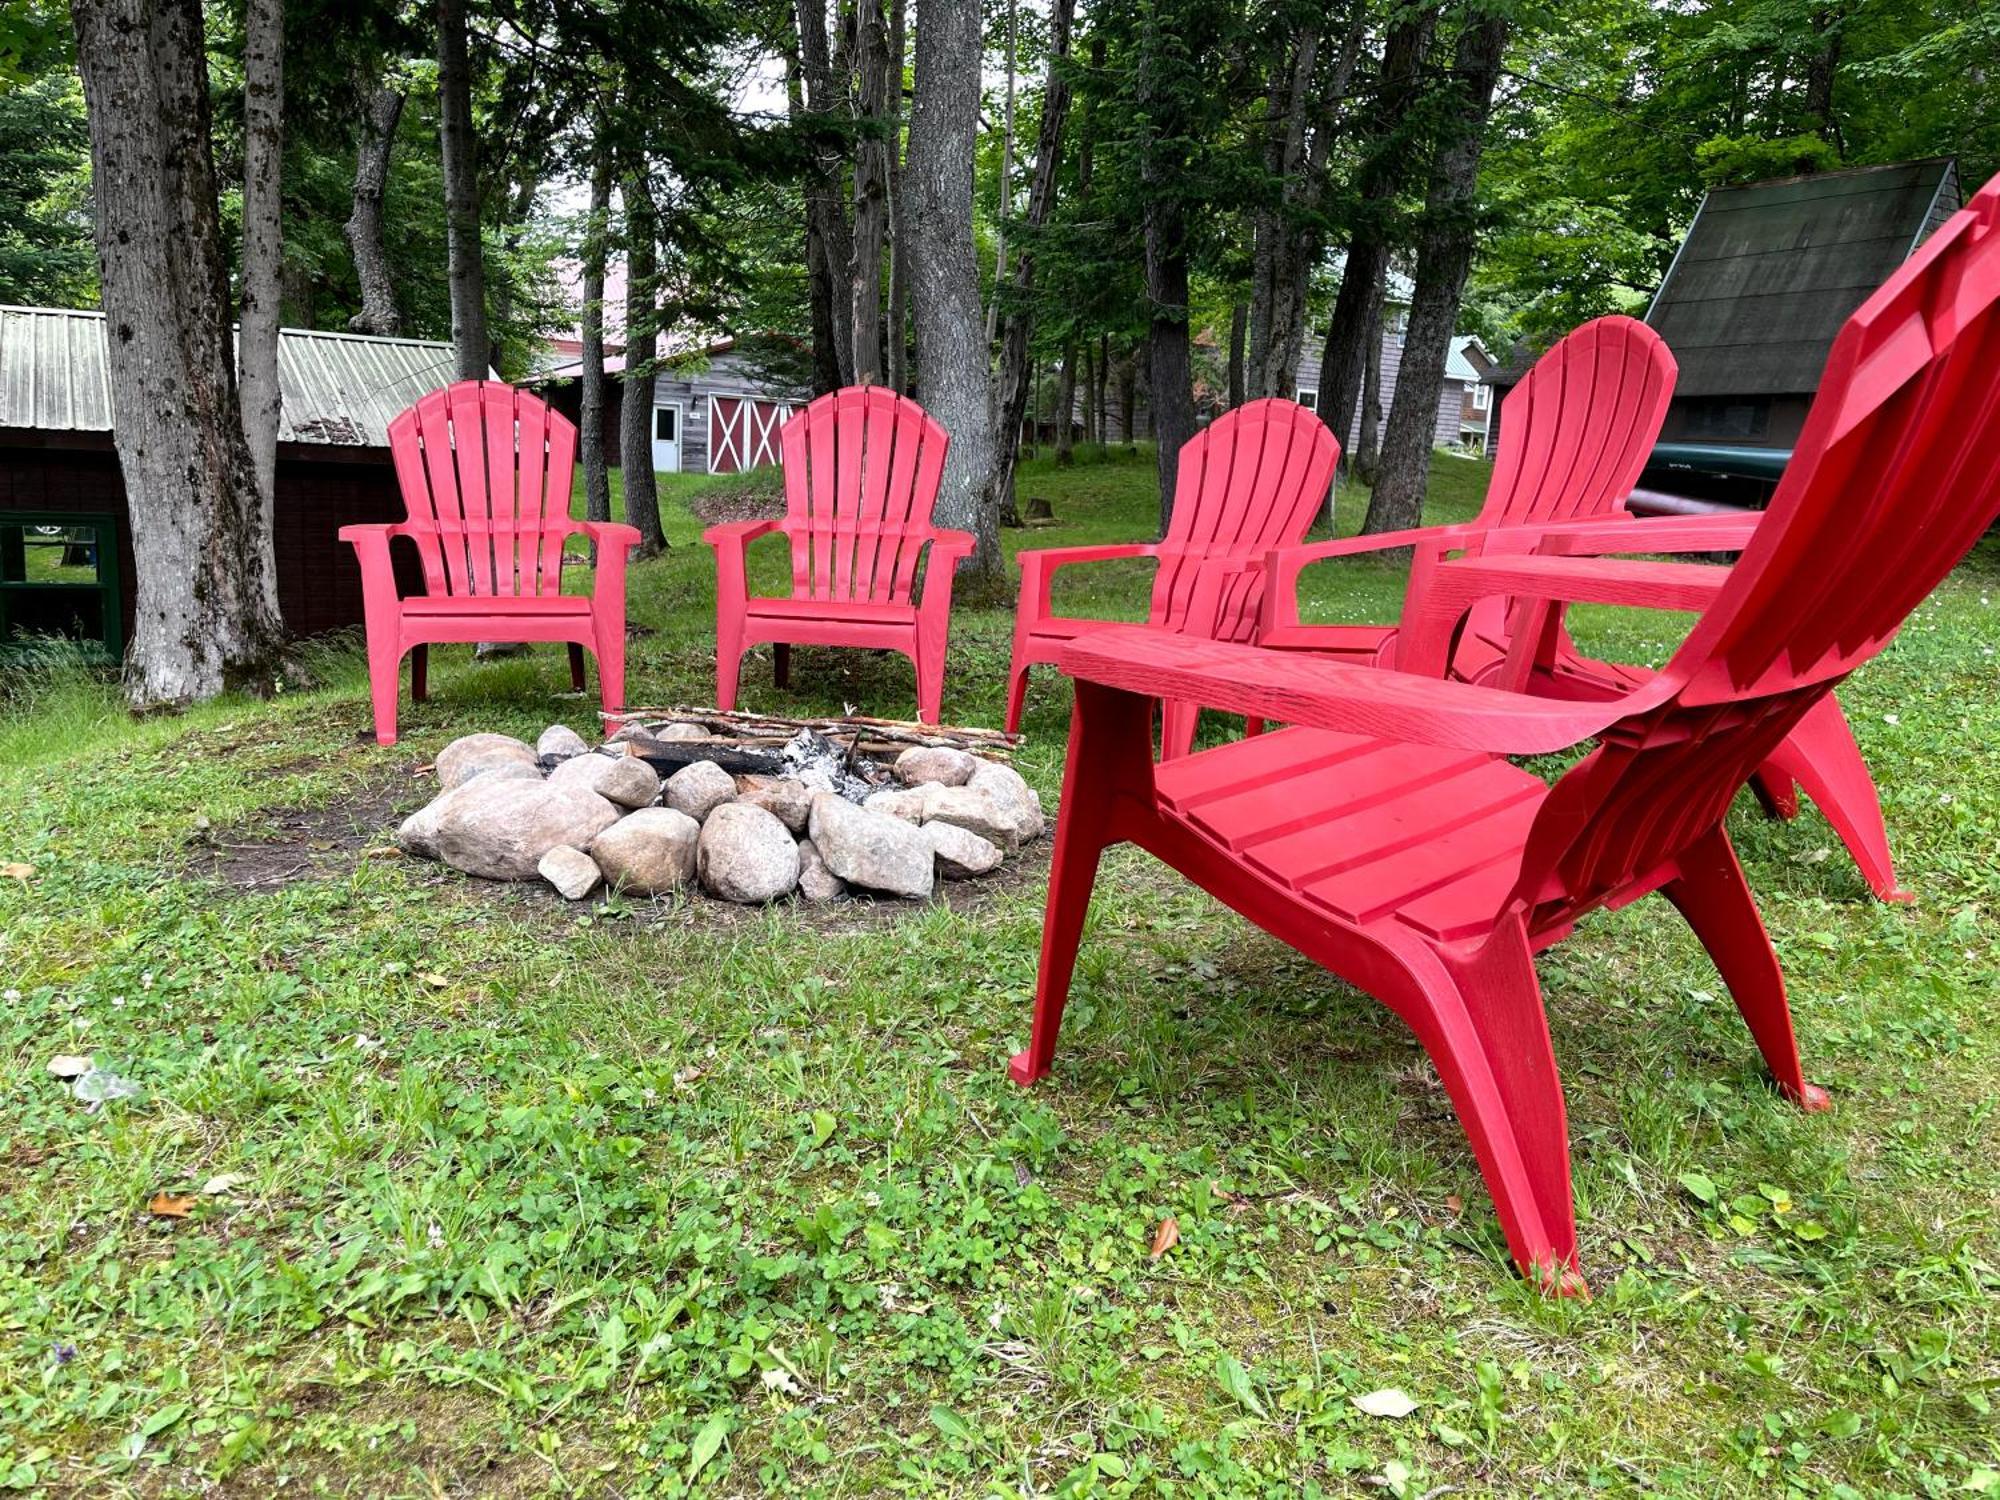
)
(667, 439)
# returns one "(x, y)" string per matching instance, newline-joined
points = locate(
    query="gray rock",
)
(786, 799)
(465, 757)
(700, 787)
(418, 834)
(977, 810)
(679, 730)
(816, 881)
(573, 873)
(501, 827)
(631, 729)
(873, 849)
(1013, 794)
(651, 852)
(560, 742)
(961, 853)
(744, 854)
(624, 779)
(922, 765)
(911, 804)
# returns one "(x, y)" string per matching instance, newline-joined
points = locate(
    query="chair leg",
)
(385, 670)
(608, 642)
(1480, 1017)
(1178, 721)
(1017, 694)
(1821, 756)
(1252, 727)
(1110, 744)
(1715, 898)
(781, 665)
(575, 667)
(728, 660)
(929, 662)
(420, 662)
(1775, 791)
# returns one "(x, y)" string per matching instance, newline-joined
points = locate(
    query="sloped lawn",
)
(473, 1194)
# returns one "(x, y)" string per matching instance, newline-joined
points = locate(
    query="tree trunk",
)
(952, 378)
(871, 195)
(1239, 318)
(1444, 256)
(819, 283)
(1827, 23)
(1006, 183)
(596, 474)
(201, 548)
(827, 217)
(899, 271)
(1128, 398)
(1010, 387)
(1088, 407)
(378, 313)
(1286, 99)
(1066, 407)
(1382, 175)
(258, 391)
(1368, 440)
(635, 418)
(472, 350)
(1102, 373)
(1169, 362)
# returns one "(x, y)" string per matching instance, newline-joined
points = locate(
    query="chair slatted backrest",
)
(1578, 429)
(1251, 480)
(485, 472)
(862, 467)
(1894, 479)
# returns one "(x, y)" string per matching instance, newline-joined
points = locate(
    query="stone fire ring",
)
(820, 824)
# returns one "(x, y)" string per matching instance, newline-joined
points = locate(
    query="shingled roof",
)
(1769, 271)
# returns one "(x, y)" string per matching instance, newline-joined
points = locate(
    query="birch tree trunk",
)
(258, 391)
(465, 269)
(596, 473)
(200, 543)
(642, 340)
(1010, 387)
(1382, 176)
(1444, 255)
(378, 313)
(871, 195)
(952, 378)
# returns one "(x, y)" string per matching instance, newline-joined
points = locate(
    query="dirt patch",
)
(758, 497)
(284, 845)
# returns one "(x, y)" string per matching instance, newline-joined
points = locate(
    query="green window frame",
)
(32, 603)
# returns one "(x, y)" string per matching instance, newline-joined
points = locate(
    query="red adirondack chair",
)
(485, 474)
(862, 467)
(1385, 836)
(1579, 430)
(1251, 480)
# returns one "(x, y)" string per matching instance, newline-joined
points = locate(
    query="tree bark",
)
(1128, 397)
(1066, 407)
(819, 284)
(899, 271)
(596, 473)
(1010, 387)
(1382, 176)
(952, 379)
(204, 620)
(1368, 439)
(1088, 408)
(1169, 362)
(825, 213)
(1006, 182)
(378, 313)
(1239, 318)
(1444, 255)
(871, 195)
(472, 349)
(635, 418)
(258, 391)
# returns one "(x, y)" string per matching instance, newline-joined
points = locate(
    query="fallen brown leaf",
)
(435, 981)
(15, 870)
(1454, 1203)
(1166, 1236)
(171, 1205)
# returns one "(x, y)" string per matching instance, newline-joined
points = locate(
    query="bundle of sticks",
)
(735, 736)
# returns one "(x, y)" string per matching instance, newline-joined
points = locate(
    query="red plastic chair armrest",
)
(1038, 569)
(1287, 688)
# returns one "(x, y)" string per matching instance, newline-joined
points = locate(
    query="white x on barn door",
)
(743, 432)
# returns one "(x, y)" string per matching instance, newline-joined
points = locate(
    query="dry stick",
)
(902, 731)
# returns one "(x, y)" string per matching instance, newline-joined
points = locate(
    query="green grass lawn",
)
(515, 1199)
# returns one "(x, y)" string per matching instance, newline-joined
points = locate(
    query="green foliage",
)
(46, 254)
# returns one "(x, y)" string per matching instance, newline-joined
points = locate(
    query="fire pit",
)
(743, 808)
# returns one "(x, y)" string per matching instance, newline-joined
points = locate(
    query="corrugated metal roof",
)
(341, 389)
(1769, 271)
